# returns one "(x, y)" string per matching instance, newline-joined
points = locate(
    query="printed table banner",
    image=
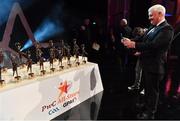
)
(46, 97)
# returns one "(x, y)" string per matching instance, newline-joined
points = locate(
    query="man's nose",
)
(150, 18)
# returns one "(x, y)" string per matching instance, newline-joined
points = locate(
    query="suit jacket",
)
(175, 49)
(154, 47)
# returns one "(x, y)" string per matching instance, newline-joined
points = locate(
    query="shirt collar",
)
(160, 22)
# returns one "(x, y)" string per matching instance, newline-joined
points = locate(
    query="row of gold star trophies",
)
(60, 53)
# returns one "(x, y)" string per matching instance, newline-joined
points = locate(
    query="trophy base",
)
(84, 61)
(31, 75)
(69, 65)
(43, 72)
(52, 69)
(78, 63)
(2, 82)
(4, 70)
(17, 78)
(61, 67)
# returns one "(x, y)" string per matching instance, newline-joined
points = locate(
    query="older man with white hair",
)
(153, 49)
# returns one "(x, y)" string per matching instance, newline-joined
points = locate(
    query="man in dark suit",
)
(175, 50)
(153, 48)
(123, 30)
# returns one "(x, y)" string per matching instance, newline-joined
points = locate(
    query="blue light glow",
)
(46, 30)
(168, 14)
(50, 27)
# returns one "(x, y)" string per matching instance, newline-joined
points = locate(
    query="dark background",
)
(70, 14)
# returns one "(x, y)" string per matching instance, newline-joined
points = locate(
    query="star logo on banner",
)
(64, 87)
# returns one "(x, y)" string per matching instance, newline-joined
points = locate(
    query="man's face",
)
(122, 23)
(86, 21)
(154, 17)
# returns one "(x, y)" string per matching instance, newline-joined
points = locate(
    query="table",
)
(46, 97)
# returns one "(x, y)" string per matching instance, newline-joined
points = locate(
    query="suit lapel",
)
(151, 35)
(146, 34)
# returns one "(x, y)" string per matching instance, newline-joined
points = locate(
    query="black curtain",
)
(139, 13)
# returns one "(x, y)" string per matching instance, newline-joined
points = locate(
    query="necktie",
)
(150, 31)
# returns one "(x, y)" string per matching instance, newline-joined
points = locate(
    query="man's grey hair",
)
(158, 8)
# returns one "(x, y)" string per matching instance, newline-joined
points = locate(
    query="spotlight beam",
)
(46, 30)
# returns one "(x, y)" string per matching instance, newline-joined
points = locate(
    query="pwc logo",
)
(67, 95)
(54, 107)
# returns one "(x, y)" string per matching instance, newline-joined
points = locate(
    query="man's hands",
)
(128, 43)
